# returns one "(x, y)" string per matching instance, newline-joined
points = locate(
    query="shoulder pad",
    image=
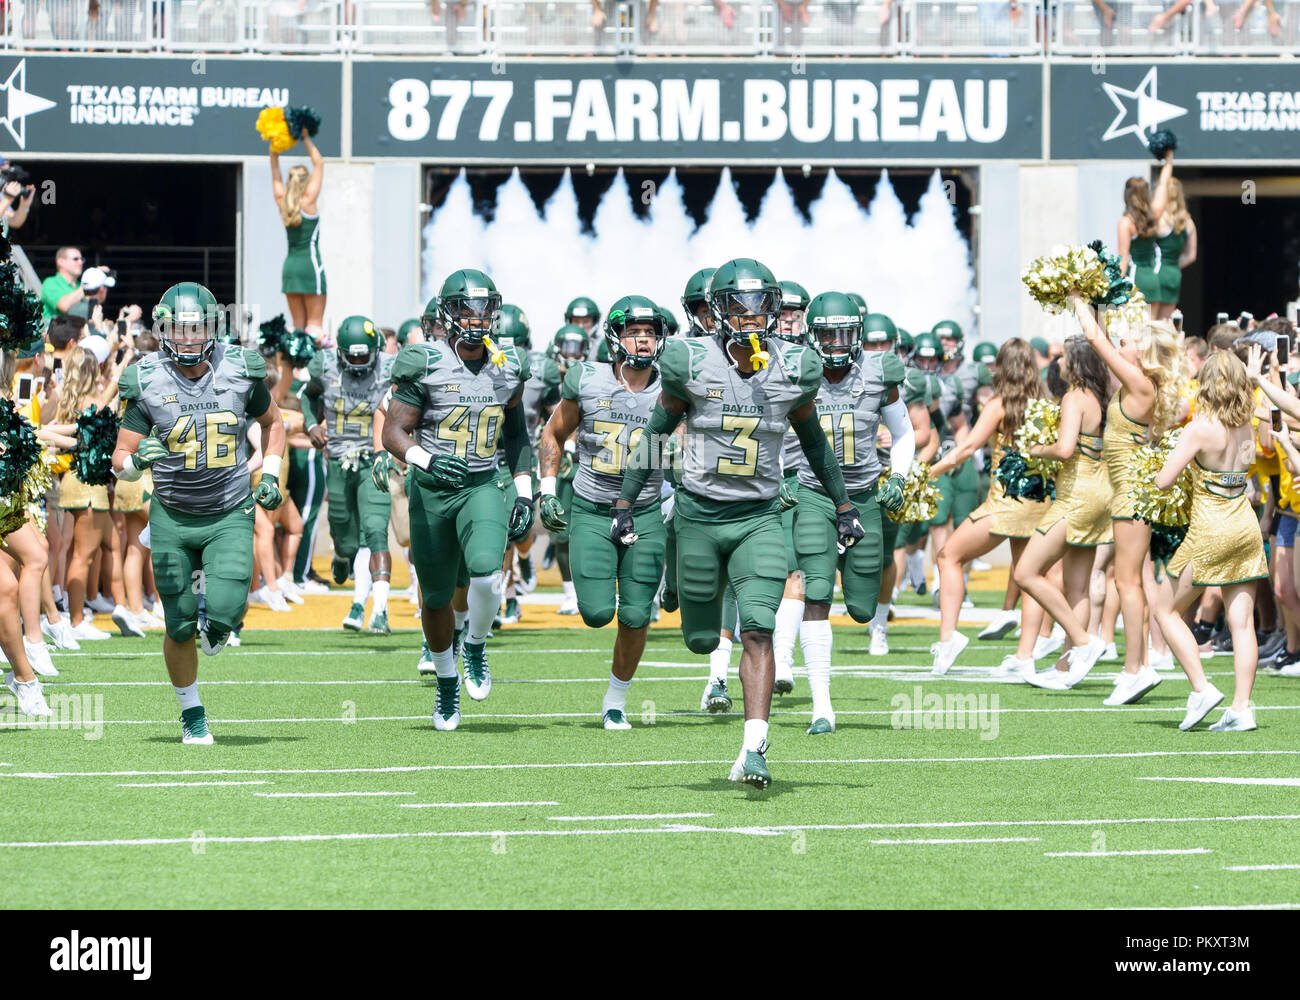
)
(891, 369)
(551, 372)
(254, 364)
(682, 358)
(916, 388)
(316, 366)
(520, 357)
(414, 362)
(128, 384)
(572, 385)
(810, 371)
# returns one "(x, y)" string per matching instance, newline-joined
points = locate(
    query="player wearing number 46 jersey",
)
(609, 405)
(186, 408)
(737, 390)
(351, 381)
(453, 403)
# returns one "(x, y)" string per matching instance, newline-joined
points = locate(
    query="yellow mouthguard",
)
(760, 357)
(495, 354)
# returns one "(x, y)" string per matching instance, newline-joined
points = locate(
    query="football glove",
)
(622, 529)
(788, 494)
(568, 468)
(148, 451)
(849, 529)
(379, 469)
(267, 493)
(449, 471)
(890, 494)
(521, 519)
(551, 511)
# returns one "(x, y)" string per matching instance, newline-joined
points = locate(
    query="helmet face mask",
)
(736, 315)
(633, 320)
(951, 338)
(188, 323)
(469, 307)
(359, 341)
(700, 318)
(835, 330)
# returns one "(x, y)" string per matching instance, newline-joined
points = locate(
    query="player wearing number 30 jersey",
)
(453, 403)
(186, 408)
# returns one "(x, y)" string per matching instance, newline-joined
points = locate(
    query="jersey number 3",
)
(743, 430)
(220, 438)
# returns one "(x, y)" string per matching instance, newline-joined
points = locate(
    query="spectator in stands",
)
(95, 283)
(1222, 336)
(1274, 18)
(63, 333)
(789, 10)
(1198, 349)
(15, 202)
(62, 290)
(725, 12)
(1161, 20)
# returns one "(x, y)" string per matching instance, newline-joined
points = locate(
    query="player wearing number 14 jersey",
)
(186, 408)
(453, 403)
(351, 380)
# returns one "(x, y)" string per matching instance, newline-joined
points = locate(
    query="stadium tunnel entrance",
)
(154, 223)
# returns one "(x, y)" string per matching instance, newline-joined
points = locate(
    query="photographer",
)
(95, 283)
(16, 195)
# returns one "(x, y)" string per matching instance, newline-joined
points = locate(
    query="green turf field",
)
(328, 787)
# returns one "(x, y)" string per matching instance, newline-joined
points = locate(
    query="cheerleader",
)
(1000, 516)
(1077, 521)
(1151, 370)
(1223, 546)
(302, 278)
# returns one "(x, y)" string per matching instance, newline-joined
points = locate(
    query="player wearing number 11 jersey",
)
(453, 403)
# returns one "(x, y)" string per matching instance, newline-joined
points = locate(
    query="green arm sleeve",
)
(519, 453)
(640, 462)
(821, 459)
(259, 400)
(135, 419)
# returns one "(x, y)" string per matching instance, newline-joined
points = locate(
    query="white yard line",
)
(325, 795)
(469, 805)
(1125, 854)
(188, 784)
(970, 840)
(585, 819)
(1260, 868)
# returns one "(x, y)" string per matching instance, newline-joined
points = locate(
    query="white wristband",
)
(548, 486)
(417, 456)
(129, 472)
(271, 466)
(524, 486)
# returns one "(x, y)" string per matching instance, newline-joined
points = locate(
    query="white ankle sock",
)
(379, 593)
(459, 618)
(569, 593)
(816, 640)
(789, 614)
(188, 696)
(443, 662)
(755, 733)
(720, 660)
(361, 577)
(484, 602)
(615, 694)
(881, 617)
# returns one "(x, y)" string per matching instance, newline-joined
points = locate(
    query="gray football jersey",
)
(461, 413)
(350, 401)
(735, 427)
(202, 423)
(849, 414)
(543, 382)
(950, 403)
(613, 420)
(968, 374)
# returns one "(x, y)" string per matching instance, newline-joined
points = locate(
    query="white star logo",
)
(20, 104)
(1149, 113)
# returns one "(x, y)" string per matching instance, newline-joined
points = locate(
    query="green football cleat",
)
(615, 719)
(821, 726)
(356, 618)
(511, 616)
(715, 697)
(425, 666)
(446, 706)
(341, 569)
(478, 678)
(755, 773)
(194, 727)
(379, 624)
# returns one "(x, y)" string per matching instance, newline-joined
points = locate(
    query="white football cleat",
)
(87, 631)
(446, 706)
(210, 649)
(59, 634)
(38, 655)
(1132, 688)
(1233, 722)
(1199, 705)
(1003, 623)
(1046, 646)
(945, 653)
(1013, 666)
(30, 699)
(569, 607)
(1109, 655)
(615, 719)
(1050, 679)
(879, 640)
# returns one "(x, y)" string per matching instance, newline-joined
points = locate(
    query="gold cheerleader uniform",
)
(1122, 437)
(76, 495)
(130, 497)
(1083, 496)
(1223, 543)
(1011, 518)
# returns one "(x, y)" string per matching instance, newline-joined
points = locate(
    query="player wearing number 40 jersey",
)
(453, 403)
(857, 391)
(609, 405)
(737, 390)
(186, 408)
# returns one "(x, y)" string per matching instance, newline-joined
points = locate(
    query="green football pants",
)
(307, 487)
(598, 564)
(450, 527)
(816, 543)
(210, 554)
(358, 511)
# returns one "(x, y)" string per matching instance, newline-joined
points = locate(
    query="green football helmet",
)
(359, 345)
(404, 331)
(877, 328)
(946, 329)
(188, 322)
(570, 345)
(670, 321)
(790, 323)
(582, 311)
(927, 352)
(431, 321)
(984, 353)
(626, 311)
(696, 295)
(513, 328)
(468, 296)
(859, 301)
(905, 344)
(835, 329)
(602, 351)
(744, 288)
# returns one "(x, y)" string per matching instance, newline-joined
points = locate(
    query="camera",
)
(12, 172)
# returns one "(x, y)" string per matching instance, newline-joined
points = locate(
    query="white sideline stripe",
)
(1124, 854)
(970, 840)
(189, 784)
(415, 768)
(468, 805)
(1247, 906)
(583, 819)
(321, 795)
(1260, 868)
(1287, 782)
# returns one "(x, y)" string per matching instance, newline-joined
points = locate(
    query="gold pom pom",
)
(920, 498)
(1042, 425)
(272, 127)
(1062, 270)
(1171, 507)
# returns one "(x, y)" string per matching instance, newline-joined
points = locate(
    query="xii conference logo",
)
(1140, 110)
(19, 104)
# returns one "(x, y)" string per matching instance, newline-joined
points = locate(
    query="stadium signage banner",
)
(190, 107)
(677, 110)
(1233, 110)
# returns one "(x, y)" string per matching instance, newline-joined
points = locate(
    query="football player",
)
(453, 404)
(609, 405)
(569, 346)
(350, 381)
(857, 392)
(737, 391)
(186, 407)
(695, 300)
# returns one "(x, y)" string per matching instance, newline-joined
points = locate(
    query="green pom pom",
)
(1018, 481)
(20, 447)
(96, 439)
(20, 310)
(302, 120)
(270, 334)
(1120, 288)
(298, 348)
(1161, 142)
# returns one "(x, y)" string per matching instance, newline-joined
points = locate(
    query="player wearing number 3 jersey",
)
(453, 403)
(352, 380)
(738, 391)
(186, 408)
